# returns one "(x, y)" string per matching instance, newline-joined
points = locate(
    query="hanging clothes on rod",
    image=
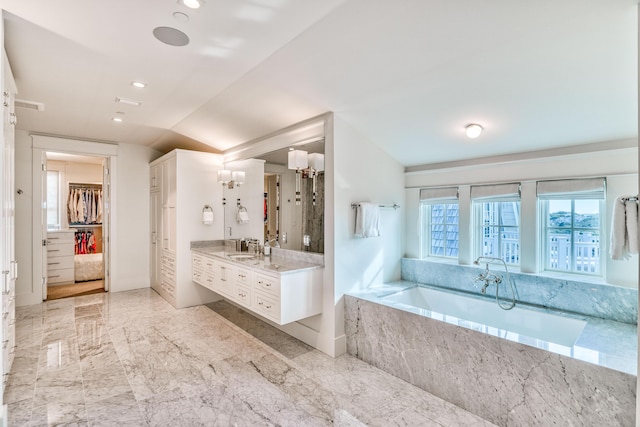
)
(85, 242)
(84, 204)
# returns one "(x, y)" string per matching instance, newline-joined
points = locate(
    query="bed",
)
(88, 267)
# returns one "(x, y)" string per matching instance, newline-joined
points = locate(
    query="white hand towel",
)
(631, 210)
(242, 216)
(367, 220)
(619, 244)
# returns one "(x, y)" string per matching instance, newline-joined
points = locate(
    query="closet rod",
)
(85, 185)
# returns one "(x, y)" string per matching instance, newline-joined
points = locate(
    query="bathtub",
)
(484, 315)
(525, 366)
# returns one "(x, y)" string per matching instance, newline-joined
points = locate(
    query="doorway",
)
(74, 195)
(72, 222)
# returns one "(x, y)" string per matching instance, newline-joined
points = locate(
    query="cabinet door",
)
(155, 178)
(156, 238)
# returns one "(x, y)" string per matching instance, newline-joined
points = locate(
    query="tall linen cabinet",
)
(182, 183)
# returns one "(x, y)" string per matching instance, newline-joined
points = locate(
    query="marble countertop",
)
(268, 264)
(602, 342)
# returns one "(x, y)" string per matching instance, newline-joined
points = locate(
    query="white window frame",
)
(426, 224)
(572, 190)
(479, 226)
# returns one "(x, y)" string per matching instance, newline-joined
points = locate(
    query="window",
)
(439, 222)
(500, 231)
(440, 229)
(571, 214)
(497, 221)
(53, 200)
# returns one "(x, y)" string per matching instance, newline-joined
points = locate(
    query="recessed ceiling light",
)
(117, 119)
(139, 84)
(192, 4)
(473, 130)
(127, 101)
(171, 36)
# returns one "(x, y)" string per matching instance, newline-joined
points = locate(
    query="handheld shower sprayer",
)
(487, 277)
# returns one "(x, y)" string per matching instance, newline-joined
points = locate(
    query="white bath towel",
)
(619, 248)
(631, 211)
(367, 220)
(242, 215)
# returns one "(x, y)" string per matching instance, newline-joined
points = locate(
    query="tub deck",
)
(601, 342)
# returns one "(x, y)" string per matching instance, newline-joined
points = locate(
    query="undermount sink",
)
(242, 256)
(275, 267)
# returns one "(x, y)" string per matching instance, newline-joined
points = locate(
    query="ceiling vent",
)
(29, 105)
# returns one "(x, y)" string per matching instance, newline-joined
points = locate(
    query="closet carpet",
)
(75, 289)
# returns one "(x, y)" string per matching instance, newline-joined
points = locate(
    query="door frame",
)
(42, 144)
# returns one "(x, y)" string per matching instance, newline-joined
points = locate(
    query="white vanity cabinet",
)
(280, 297)
(181, 183)
(290, 296)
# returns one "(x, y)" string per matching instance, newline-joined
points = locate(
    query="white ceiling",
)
(408, 75)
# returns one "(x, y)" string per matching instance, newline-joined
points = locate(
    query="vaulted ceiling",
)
(408, 75)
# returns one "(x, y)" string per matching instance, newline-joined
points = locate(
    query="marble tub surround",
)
(131, 359)
(505, 382)
(602, 342)
(591, 299)
(273, 263)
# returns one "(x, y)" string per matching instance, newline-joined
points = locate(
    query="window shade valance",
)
(591, 188)
(502, 191)
(440, 193)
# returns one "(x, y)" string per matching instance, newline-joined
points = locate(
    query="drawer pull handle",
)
(52, 277)
(267, 306)
(53, 250)
(53, 263)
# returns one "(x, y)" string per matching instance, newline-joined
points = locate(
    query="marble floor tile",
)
(121, 410)
(131, 359)
(59, 413)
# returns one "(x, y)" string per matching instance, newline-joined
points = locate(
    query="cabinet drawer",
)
(209, 281)
(197, 261)
(270, 285)
(243, 276)
(60, 250)
(60, 238)
(266, 306)
(243, 295)
(58, 263)
(197, 275)
(61, 276)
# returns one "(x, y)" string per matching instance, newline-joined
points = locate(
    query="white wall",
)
(619, 166)
(24, 208)
(130, 218)
(364, 173)
(130, 235)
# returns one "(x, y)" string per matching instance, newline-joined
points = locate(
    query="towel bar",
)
(394, 206)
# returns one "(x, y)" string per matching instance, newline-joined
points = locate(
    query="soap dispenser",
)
(267, 248)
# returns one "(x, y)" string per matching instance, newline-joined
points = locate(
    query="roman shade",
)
(496, 191)
(590, 188)
(439, 193)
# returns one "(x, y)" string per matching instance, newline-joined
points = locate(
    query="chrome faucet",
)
(487, 277)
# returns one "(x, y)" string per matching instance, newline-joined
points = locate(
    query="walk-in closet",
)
(75, 202)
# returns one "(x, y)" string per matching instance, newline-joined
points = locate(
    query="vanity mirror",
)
(292, 198)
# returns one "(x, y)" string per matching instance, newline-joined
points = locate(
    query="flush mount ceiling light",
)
(138, 84)
(192, 4)
(171, 36)
(473, 130)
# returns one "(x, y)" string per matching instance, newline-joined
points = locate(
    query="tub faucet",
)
(487, 277)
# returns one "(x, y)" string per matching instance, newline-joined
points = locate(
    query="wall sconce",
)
(316, 164)
(231, 178)
(298, 160)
